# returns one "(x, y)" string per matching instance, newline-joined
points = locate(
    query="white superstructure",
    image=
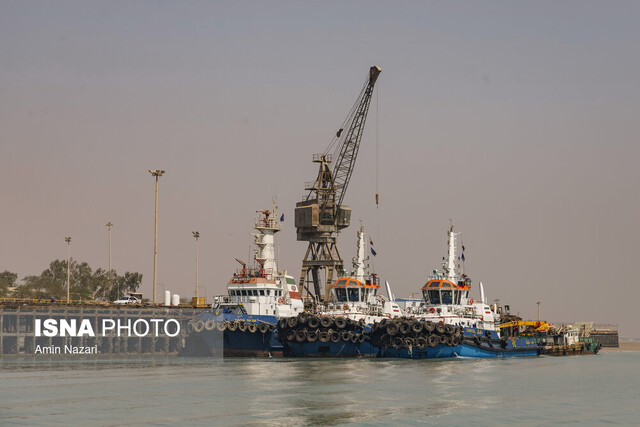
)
(355, 295)
(446, 296)
(264, 290)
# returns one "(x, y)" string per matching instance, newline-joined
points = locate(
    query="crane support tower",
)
(321, 215)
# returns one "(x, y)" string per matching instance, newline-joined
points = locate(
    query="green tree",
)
(7, 281)
(130, 282)
(83, 284)
(50, 284)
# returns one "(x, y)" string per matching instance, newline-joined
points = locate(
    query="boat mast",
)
(451, 263)
(267, 225)
(358, 261)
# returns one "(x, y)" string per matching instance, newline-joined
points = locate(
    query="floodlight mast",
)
(156, 173)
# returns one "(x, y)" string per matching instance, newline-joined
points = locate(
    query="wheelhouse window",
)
(354, 295)
(261, 292)
(341, 294)
(457, 296)
(341, 282)
(244, 293)
(434, 296)
(447, 297)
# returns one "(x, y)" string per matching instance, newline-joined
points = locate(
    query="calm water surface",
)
(579, 390)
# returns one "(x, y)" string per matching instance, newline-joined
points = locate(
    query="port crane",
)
(321, 215)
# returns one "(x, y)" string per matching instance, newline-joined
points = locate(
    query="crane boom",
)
(322, 214)
(344, 165)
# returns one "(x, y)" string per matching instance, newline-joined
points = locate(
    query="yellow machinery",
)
(531, 326)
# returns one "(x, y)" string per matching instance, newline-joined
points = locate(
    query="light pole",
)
(538, 311)
(109, 225)
(196, 234)
(157, 173)
(68, 240)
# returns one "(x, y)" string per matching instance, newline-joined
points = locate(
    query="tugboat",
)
(449, 322)
(567, 340)
(355, 296)
(242, 323)
(341, 328)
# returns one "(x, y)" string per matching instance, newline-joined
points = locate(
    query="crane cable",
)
(377, 159)
(338, 135)
(347, 120)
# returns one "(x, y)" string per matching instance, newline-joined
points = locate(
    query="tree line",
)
(84, 283)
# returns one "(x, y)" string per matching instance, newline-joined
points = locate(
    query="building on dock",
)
(605, 334)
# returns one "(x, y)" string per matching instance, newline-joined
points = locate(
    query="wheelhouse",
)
(346, 290)
(444, 292)
(237, 293)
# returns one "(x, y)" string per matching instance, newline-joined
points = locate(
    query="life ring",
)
(281, 300)
(470, 301)
(345, 307)
(432, 310)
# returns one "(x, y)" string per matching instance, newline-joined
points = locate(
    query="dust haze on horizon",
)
(517, 121)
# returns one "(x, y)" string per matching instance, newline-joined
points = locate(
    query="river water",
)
(578, 390)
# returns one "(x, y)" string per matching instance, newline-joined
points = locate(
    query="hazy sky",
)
(518, 120)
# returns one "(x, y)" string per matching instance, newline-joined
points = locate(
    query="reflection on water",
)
(195, 391)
